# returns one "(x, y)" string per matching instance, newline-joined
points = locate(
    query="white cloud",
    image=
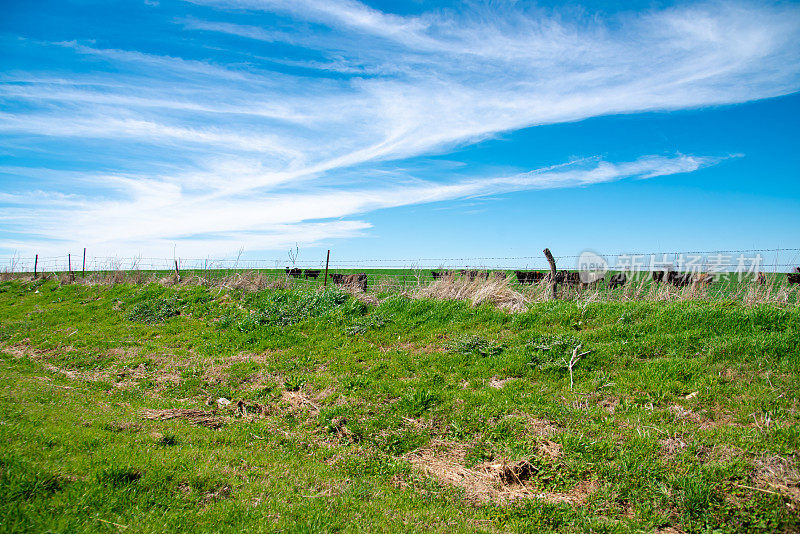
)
(160, 213)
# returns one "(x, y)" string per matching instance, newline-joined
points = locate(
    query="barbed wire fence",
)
(405, 272)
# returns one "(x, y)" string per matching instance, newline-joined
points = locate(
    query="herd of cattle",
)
(358, 280)
(567, 278)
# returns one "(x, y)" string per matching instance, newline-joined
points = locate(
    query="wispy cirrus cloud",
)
(257, 144)
(165, 213)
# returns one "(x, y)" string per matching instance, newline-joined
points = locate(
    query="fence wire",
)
(764, 260)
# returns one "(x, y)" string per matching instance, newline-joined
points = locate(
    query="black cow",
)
(358, 280)
(529, 277)
(679, 279)
(472, 275)
(761, 278)
(499, 275)
(297, 273)
(794, 277)
(441, 274)
(617, 280)
(660, 276)
(311, 273)
(569, 278)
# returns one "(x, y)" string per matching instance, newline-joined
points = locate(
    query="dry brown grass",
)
(779, 474)
(495, 291)
(498, 481)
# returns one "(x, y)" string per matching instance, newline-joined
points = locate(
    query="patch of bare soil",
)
(688, 415)
(671, 446)
(550, 449)
(299, 402)
(498, 383)
(609, 404)
(248, 409)
(198, 417)
(536, 426)
(216, 495)
(780, 475)
(502, 482)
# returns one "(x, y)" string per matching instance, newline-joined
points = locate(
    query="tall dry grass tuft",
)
(252, 281)
(494, 291)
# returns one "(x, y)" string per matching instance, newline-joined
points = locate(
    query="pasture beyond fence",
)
(749, 275)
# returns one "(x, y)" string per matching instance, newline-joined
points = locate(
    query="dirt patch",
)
(537, 426)
(502, 482)
(247, 408)
(216, 495)
(672, 446)
(550, 449)
(299, 402)
(498, 383)
(198, 417)
(609, 404)
(780, 475)
(687, 415)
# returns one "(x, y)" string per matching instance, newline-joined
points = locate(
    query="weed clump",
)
(293, 383)
(118, 476)
(370, 322)
(287, 308)
(551, 351)
(476, 345)
(418, 402)
(153, 311)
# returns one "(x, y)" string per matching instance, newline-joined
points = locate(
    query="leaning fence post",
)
(35, 266)
(327, 259)
(83, 269)
(177, 272)
(553, 283)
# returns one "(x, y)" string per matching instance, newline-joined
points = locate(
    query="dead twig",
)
(573, 361)
(758, 489)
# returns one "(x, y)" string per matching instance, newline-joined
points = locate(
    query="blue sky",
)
(397, 129)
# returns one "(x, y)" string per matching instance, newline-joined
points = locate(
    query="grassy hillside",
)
(403, 415)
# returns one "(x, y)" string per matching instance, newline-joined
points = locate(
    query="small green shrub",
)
(293, 383)
(288, 308)
(550, 351)
(153, 311)
(418, 402)
(370, 322)
(476, 345)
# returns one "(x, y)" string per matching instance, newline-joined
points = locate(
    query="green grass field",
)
(396, 415)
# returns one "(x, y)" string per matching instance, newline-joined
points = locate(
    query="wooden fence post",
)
(327, 259)
(35, 266)
(177, 272)
(553, 283)
(69, 266)
(83, 269)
